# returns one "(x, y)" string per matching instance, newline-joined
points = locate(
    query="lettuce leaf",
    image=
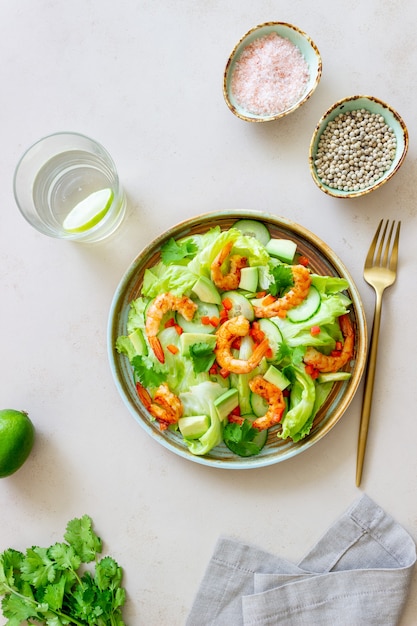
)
(173, 251)
(297, 422)
(199, 400)
(214, 241)
(125, 346)
(329, 284)
(136, 315)
(176, 279)
(298, 333)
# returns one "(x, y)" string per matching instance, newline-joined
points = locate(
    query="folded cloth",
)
(358, 573)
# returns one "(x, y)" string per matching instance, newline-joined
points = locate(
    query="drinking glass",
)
(66, 185)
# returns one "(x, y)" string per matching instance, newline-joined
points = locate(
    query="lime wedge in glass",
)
(89, 211)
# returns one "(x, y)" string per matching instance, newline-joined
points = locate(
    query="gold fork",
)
(380, 271)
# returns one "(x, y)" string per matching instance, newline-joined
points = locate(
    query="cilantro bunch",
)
(46, 586)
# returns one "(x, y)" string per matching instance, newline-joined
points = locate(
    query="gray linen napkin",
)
(358, 573)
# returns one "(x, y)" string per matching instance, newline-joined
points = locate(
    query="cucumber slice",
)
(244, 393)
(193, 426)
(273, 334)
(306, 309)
(333, 377)
(204, 309)
(253, 228)
(249, 279)
(283, 249)
(240, 305)
(258, 404)
(206, 291)
(241, 381)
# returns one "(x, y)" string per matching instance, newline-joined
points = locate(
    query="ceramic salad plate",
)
(322, 261)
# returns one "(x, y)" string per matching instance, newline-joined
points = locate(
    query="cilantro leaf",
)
(81, 536)
(37, 568)
(108, 573)
(203, 356)
(18, 609)
(146, 372)
(283, 279)
(173, 251)
(54, 594)
(64, 556)
(239, 438)
(288, 354)
(10, 564)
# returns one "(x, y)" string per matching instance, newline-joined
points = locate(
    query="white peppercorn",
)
(355, 150)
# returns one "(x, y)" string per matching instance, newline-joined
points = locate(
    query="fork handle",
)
(369, 387)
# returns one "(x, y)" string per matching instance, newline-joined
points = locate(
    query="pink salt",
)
(270, 76)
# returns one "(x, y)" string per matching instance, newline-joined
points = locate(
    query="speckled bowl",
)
(308, 49)
(322, 261)
(392, 119)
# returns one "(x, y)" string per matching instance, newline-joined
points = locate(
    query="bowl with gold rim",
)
(272, 70)
(144, 276)
(358, 145)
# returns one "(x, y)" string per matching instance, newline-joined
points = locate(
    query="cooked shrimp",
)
(333, 362)
(227, 333)
(276, 404)
(165, 406)
(162, 304)
(293, 297)
(230, 280)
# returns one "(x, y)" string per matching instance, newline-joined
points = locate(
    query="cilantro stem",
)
(71, 619)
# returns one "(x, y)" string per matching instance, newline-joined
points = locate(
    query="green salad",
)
(234, 337)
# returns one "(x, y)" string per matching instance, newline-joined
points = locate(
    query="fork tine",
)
(387, 245)
(371, 251)
(394, 255)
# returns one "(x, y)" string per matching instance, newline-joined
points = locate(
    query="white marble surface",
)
(145, 79)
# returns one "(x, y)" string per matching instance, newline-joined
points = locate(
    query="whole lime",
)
(17, 434)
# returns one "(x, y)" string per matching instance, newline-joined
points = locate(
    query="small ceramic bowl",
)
(374, 106)
(295, 36)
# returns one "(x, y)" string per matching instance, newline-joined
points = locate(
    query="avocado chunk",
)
(283, 249)
(249, 279)
(193, 426)
(206, 291)
(225, 403)
(277, 378)
(138, 341)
